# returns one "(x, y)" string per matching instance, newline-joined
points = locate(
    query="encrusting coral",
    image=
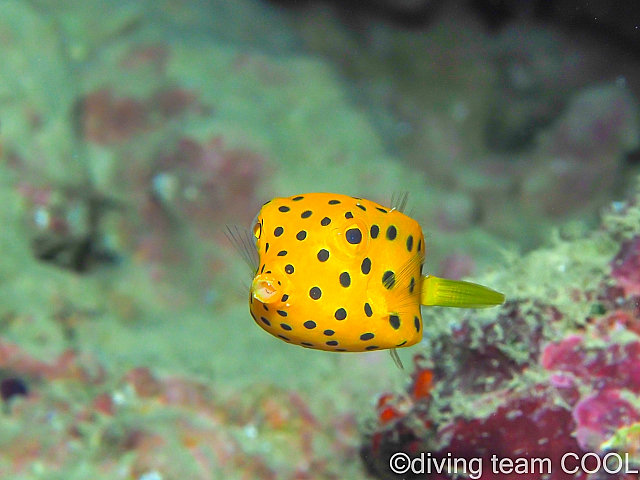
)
(553, 374)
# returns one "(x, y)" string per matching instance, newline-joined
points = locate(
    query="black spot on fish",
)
(388, 279)
(392, 232)
(323, 255)
(315, 293)
(366, 266)
(410, 243)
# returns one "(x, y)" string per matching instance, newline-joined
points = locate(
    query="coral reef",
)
(554, 371)
(79, 418)
(133, 133)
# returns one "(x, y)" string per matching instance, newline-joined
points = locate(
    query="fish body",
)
(344, 274)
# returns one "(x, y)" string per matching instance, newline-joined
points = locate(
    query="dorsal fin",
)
(399, 201)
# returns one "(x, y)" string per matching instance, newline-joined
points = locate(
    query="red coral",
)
(393, 407)
(422, 384)
(524, 426)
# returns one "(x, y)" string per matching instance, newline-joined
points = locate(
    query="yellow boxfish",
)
(344, 274)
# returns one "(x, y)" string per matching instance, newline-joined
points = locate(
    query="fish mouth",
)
(266, 288)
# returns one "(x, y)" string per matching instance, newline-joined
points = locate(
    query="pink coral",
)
(617, 365)
(598, 416)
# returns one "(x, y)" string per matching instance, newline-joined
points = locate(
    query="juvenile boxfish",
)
(344, 274)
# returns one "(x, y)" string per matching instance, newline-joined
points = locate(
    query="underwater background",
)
(133, 133)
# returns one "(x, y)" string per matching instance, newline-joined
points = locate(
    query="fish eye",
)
(352, 240)
(257, 228)
(353, 236)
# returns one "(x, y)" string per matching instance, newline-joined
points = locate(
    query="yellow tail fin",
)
(456, 293)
